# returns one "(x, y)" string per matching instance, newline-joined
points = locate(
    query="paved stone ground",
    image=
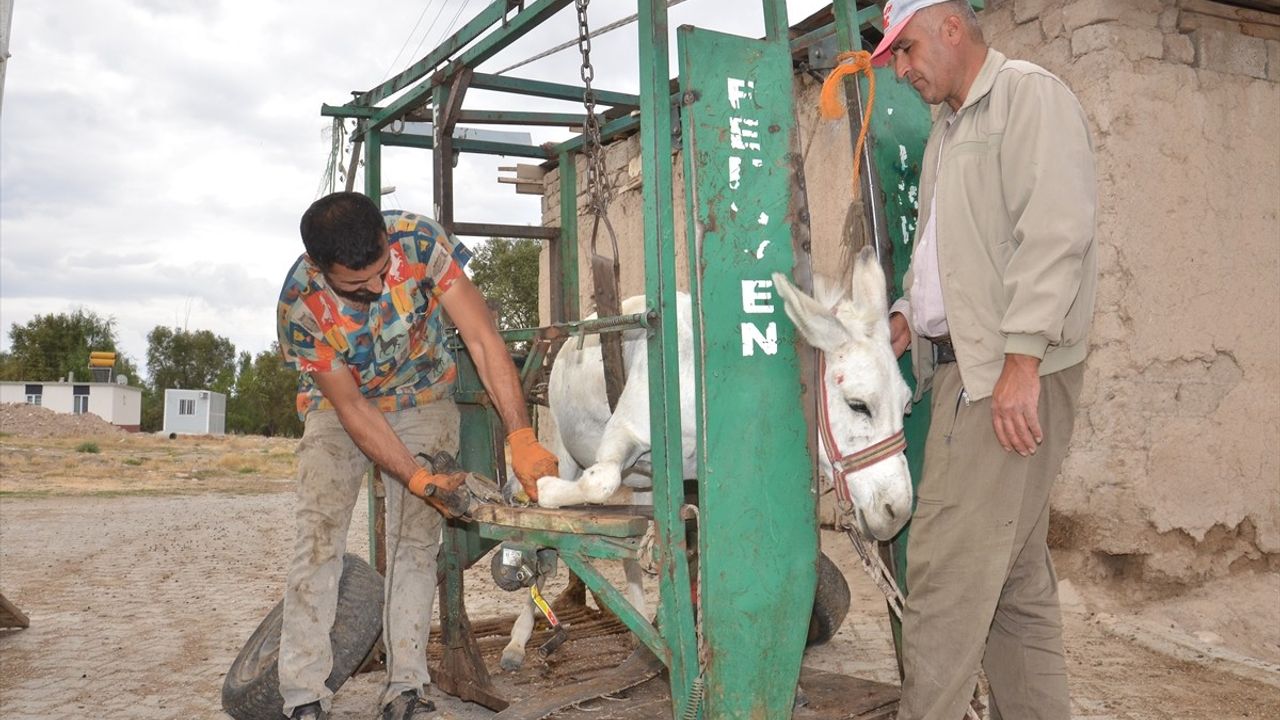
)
(138, 605)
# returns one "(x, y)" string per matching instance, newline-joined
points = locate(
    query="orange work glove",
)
(441, 491)
(530, 461)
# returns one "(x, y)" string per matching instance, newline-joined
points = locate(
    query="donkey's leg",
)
(513, 653)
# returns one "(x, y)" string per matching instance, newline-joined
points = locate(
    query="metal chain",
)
(596, 184)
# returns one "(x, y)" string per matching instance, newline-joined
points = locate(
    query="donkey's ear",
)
(817, 324)
(870, 289)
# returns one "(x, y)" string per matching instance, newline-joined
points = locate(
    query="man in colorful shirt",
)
(360, 318)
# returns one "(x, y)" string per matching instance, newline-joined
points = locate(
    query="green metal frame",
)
(752, 634)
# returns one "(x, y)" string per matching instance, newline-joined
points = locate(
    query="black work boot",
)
(407, 706)
(310, 711)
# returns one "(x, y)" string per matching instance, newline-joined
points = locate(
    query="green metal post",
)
(564, 255)
(758, 535)
(373, 166)
(675, 606)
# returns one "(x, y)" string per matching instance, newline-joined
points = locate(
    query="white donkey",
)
(863, 393)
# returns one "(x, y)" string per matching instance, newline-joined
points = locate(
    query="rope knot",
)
(831, 102)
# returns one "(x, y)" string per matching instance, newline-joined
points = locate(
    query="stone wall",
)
(1174, 473)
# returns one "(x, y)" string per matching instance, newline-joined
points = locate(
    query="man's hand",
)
(899, 333)
(440, 491)
(531, 461)
(1015, 405)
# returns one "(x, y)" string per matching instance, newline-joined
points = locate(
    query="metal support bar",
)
(513, 29)
(554, 91)
(607, 595)
(579, 328)
(675, 609)
(514, 117)
(491, 14)
(564, 250)
(533, 232)
(592, 546)
(481, 147)
(373, 166)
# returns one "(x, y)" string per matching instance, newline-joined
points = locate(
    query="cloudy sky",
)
(155, 155)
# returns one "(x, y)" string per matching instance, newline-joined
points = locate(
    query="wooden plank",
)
(611, 521)
(829, 697)
(11, 616)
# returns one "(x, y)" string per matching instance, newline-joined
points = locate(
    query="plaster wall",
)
(1174, 472)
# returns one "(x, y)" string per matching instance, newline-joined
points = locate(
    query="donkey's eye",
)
(859, 407)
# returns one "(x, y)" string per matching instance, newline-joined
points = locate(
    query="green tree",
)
(49, 347)
(506, 272)
(191, 360)
(264, 398)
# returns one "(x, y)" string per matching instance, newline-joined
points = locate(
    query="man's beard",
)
(362, 296)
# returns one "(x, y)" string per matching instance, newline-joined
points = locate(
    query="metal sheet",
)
(757, 531)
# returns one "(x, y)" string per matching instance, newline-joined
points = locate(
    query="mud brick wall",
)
(1174, 473)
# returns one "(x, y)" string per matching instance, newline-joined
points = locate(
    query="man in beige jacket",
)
(999, 297)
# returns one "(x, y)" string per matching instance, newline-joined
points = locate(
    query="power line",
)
(409, 37)
(430, 27)
(571, 43)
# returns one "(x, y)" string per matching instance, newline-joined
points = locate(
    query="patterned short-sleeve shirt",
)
(395, 347)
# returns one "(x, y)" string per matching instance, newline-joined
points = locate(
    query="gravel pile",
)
(34, 421)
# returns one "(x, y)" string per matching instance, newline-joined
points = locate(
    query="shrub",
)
(88, 447)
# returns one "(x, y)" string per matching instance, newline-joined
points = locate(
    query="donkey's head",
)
(865, 396)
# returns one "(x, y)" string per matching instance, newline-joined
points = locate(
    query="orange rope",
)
(831, 102)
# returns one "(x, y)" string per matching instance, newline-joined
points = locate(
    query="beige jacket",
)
(1016, 200)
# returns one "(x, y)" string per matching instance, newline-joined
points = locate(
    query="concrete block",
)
(1028, 10)
(1273, 60)
(1135, 43)
(1168, 19)
(1178, 48)
(1230, 53)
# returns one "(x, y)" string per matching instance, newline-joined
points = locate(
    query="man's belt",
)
(943, 351)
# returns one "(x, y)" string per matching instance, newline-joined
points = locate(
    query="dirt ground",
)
(144, 566)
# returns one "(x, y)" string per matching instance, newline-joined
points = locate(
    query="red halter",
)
(842, 465)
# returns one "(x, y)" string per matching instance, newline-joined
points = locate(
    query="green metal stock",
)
(757, 533)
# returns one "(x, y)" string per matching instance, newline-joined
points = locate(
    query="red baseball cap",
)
(897, 13)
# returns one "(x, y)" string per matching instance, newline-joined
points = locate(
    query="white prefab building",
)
(195, 412)
(118, 404)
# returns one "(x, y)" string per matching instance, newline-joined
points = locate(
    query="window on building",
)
(79, 399)
(186, 407)
(34, 394)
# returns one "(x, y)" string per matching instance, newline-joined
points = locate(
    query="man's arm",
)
(371, 432)
(467, 309)
(1047, 176)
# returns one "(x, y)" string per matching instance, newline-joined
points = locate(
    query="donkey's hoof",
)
(511, 660)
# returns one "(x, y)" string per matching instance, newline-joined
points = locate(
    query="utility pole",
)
(6, 21)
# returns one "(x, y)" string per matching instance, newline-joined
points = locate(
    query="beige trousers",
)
(330, 472)
(981, 587)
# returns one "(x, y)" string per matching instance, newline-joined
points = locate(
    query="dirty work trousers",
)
(981, 587)
(331, 471)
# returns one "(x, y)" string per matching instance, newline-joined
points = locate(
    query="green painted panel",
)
(757, 533)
